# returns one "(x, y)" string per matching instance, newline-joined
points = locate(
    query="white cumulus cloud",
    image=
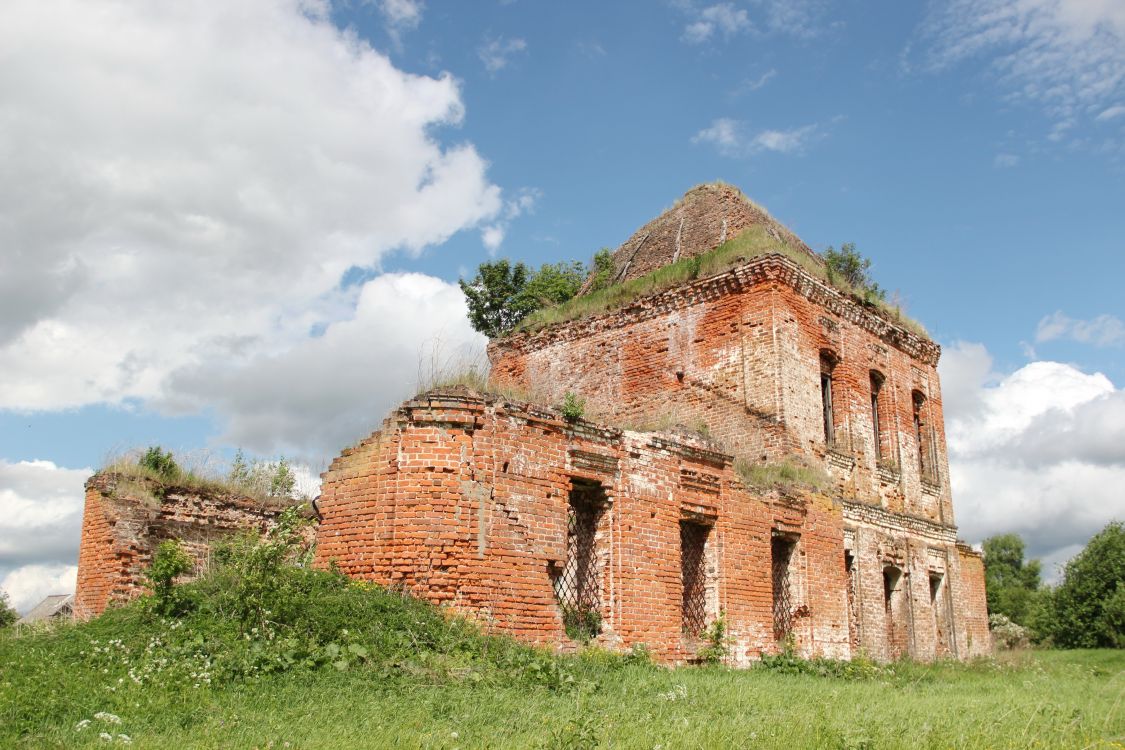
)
(186, 182)
(1039, 452)
(320, 395)
(40, 523)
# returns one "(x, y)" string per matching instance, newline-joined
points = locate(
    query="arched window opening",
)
(927, 458)
(877, 381)
(827, 365)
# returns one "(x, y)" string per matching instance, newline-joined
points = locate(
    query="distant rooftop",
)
(54, 605)
(706, 217)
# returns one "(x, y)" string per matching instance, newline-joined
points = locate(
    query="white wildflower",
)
(81, 725)
(107, 717)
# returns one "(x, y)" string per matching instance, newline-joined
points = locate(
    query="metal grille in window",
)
(693, 544)
(577, 587)
(781, 550)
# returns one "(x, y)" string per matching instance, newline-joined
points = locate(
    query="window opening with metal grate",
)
(693, 562)
(781, 555)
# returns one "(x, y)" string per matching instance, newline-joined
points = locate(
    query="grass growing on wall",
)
(756, 240)
(338, 664)
(791, 472)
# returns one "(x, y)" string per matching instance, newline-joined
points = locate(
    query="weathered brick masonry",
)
(547, 528)
(763, 356)
(126, 518)
(468, 500)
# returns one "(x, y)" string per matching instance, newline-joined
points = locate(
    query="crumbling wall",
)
(463, 499)
(740, 354)
(126, 518)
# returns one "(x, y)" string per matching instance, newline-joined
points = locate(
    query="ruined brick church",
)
(639, 523)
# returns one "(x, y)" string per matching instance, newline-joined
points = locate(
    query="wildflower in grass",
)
(107, 717)
(81, 725)
(105, 737)
(124, 739)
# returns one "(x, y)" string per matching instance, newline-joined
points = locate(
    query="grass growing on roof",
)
(755, 241)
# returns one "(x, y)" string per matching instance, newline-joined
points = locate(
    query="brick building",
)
(557, 529)
(618, 529)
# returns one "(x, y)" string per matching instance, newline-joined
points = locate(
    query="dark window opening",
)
(940, 608)
(877, 380)
(893, 600)
(827, 364)
(927, 460)
(853, 609)
(781, 557)
(578, 584)
(693, 563)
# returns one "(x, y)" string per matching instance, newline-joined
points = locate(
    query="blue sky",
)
(240, 226)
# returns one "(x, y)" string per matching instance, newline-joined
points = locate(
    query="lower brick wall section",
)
(465, 500)
(124, 520)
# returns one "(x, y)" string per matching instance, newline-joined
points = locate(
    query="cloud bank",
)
(1039, 452)
(188, 182)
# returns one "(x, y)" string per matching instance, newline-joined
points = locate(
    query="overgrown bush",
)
(572, 407)
(169, 562)
(160, 462)
(717, 647)
(581, 624)
(848, 266)
(1007, 634)
(8, 615)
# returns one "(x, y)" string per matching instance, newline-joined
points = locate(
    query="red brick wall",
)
(124, 521)
(463, 499)
(740, 354)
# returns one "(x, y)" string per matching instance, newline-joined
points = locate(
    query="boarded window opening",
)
(781, 557)
(578, 584)
(827, 364)
(693, 563)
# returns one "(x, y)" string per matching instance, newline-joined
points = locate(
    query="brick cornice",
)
(772, 267)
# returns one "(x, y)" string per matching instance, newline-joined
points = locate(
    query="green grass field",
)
(341, 665)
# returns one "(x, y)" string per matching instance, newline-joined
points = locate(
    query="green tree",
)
(502, 293)
(8, 615)
(1010, 582)
(494, 297)
(1087, 610)
(849, 266)
(602, 269)
(552, 284)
